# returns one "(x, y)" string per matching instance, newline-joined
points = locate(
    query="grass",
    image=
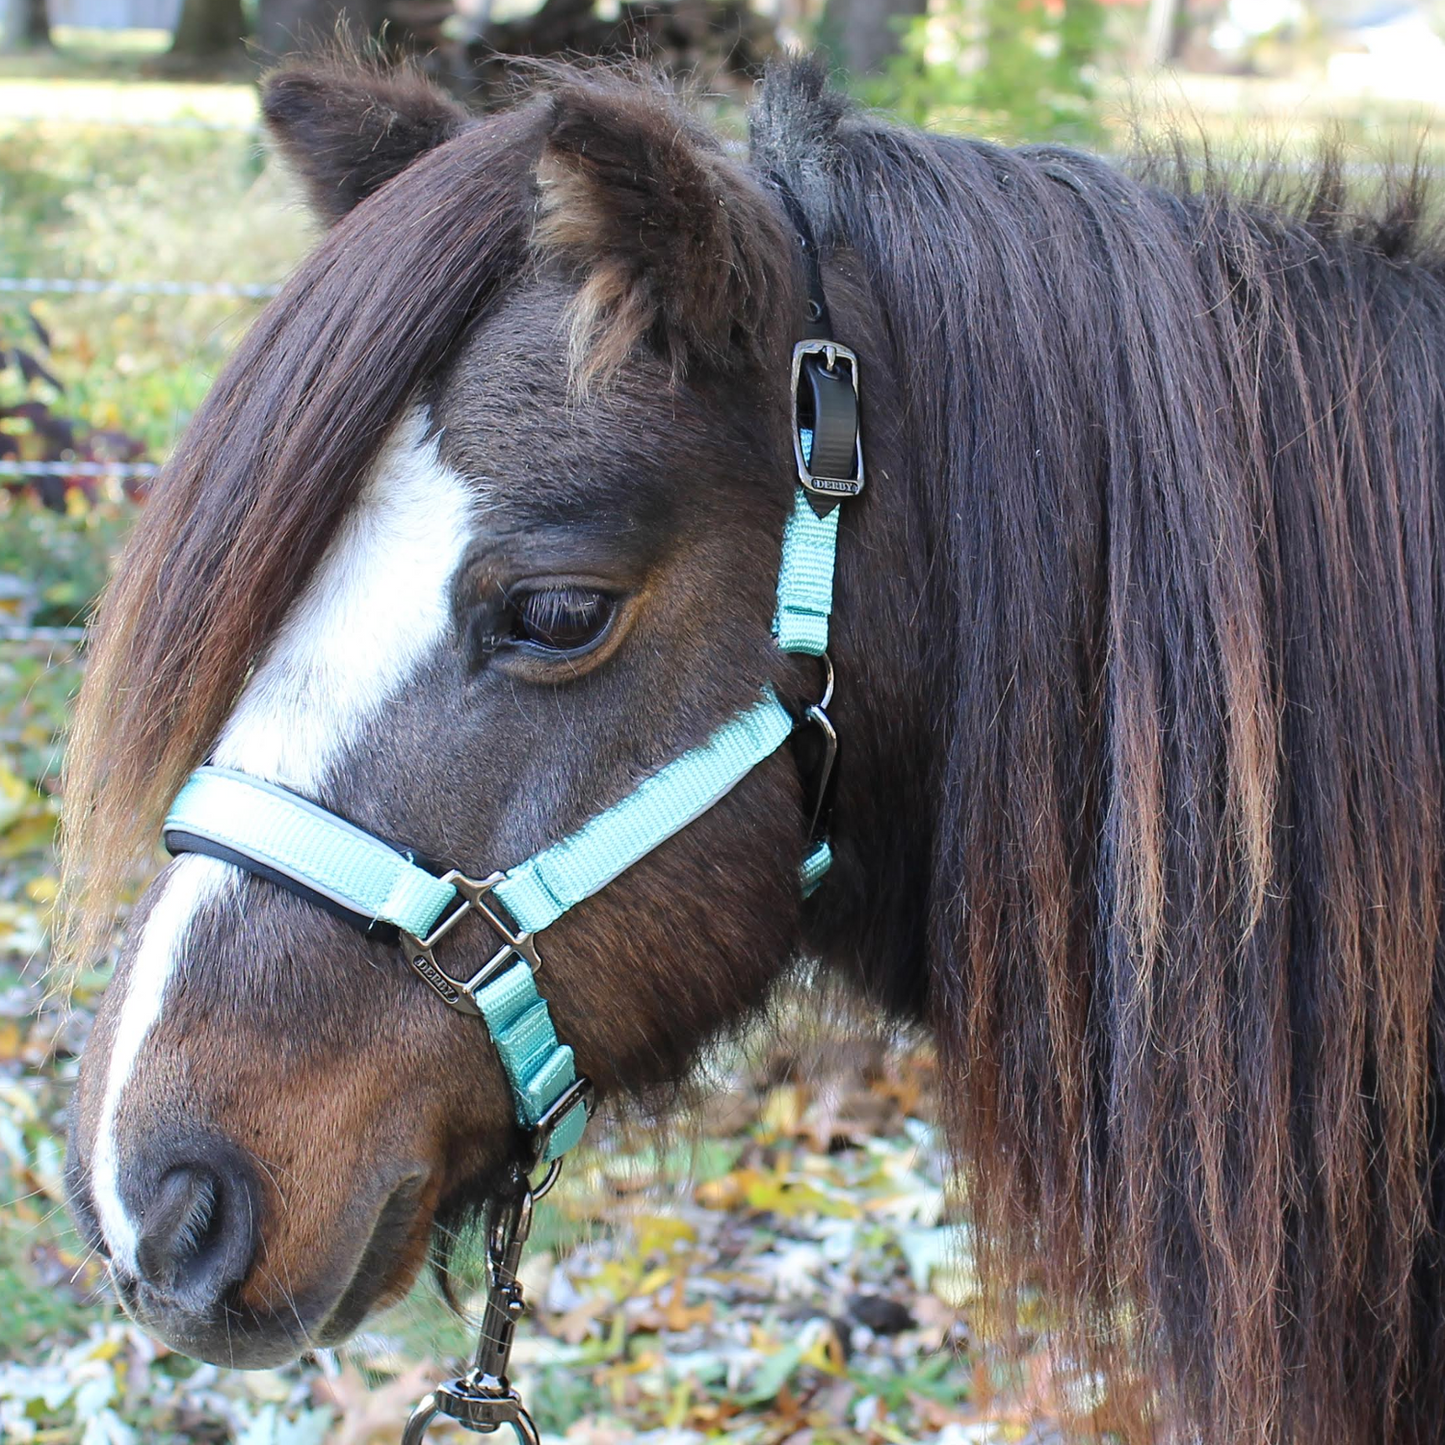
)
(125, 56)
(163, 204)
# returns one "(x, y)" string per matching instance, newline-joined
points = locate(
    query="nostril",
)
(197, 1235)
(178, 1221)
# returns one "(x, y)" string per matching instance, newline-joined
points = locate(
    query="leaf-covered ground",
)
(786, 1269)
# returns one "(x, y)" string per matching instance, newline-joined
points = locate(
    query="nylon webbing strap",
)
(325, 854)
(542, 889)
(805, 578)
(805, 609)
(815, 865)
(260, 823)
(539, 1069)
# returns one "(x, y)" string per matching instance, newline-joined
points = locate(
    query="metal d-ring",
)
(822, 703)
(548, 1180)
(429, 1407)
(419, 1421)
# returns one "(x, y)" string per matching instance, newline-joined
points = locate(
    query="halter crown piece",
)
(387, 893)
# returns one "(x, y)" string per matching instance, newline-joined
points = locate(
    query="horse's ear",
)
(672, 244)
(348, 129)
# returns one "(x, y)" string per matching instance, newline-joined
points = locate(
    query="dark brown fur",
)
(1139, 652)
(347, 129)
(665, 242)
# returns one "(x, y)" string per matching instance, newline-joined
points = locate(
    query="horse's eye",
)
(561, 619)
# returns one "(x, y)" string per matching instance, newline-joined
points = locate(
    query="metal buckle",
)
(832, 489)
(475, 898)
(579, 1091)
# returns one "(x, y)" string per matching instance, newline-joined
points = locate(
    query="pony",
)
(1138, 647)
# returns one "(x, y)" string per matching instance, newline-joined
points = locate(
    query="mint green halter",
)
(271, 831)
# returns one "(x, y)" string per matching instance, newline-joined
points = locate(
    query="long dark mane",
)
(1182, 454)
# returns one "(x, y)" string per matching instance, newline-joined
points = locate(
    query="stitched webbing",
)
(539, 1069)
(322, 852)
(541, 890)
(805, 580)
(293, 836)
(290, 835)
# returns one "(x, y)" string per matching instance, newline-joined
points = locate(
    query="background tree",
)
(286, 25)
(208, 29)
(26, 25)
(1008, 69)
(862, 35)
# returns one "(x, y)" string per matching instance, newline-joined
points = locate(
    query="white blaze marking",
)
(376, 606)
(187, 884)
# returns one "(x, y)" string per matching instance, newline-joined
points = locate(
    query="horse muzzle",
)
(198, 1277)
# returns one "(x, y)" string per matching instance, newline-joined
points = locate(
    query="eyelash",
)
(563, 621)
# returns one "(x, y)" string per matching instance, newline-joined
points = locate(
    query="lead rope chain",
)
(484, 1399)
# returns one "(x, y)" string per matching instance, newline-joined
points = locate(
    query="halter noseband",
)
(386, 892)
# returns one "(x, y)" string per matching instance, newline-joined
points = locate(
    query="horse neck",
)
(969, 572)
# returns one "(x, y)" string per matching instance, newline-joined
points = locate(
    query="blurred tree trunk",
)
(861, 35)
(37, 23)
(1159, 32)
(286, 25)
(26, 25)
(721, 44)
(208, 28)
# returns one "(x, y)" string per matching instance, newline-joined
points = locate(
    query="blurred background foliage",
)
(791, 1268)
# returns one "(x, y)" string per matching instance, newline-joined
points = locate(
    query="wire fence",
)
(69, 638)
(125, 290)
(84, 286)
(18, 637)
(118, 471)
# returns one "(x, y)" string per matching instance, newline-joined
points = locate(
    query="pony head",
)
(480, 526)
(1137, 633)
